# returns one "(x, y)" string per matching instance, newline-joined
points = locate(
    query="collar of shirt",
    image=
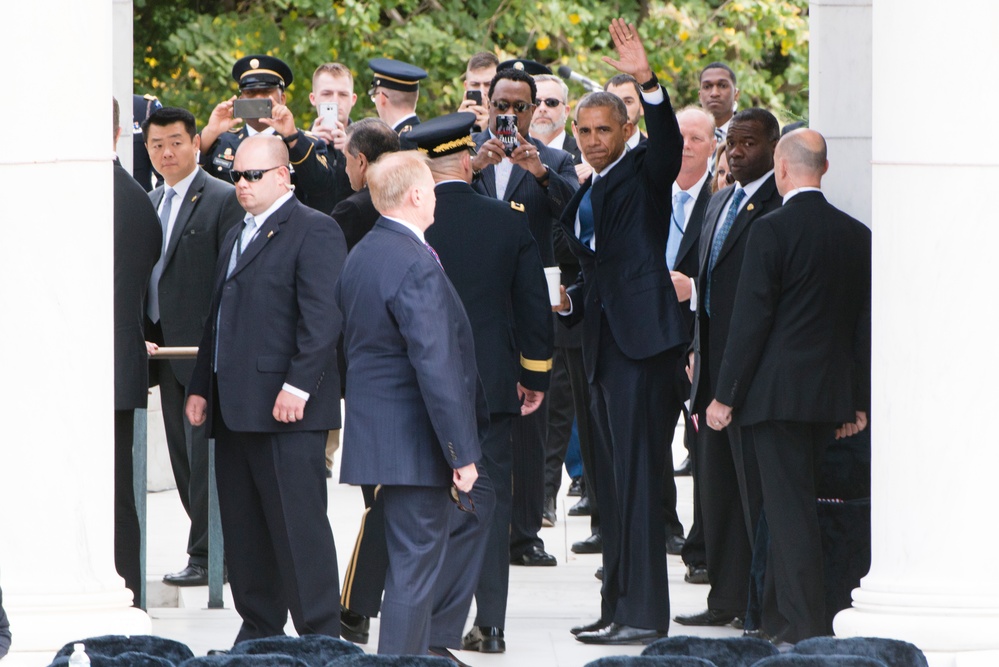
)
(558, 141)
(180, 188)
(613, 164)
(450, 180)
(410, 226)
(259, 220)
(807, 188)
(250, 131)
(752, 187)
(633, 140)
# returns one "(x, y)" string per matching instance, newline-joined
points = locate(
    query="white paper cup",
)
(553, 275)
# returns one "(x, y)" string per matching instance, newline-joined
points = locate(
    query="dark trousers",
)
(528, 446)
(727, 539)
(585, 428)
(416, 536)
(694, 549)
(188, 447)
(364, 579)
(127, 538)
(281, 555)
(789, 455)
(561, 413)
(494, 579)
(628, 404)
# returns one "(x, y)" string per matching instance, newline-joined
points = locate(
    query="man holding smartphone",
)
(333, 97)
(261, 79)
(478, 75)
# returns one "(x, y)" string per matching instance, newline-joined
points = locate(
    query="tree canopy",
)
(184, 49)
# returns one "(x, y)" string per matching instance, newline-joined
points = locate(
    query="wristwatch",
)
(651, 84)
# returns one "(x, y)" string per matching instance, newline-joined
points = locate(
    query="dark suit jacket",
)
(626, 278)
(800, 348)
(572, 148)
(312, 173)
(544, 205)
(279, 323)
(207, 213)
(413, 395)
(492, 260)
(356, 216)
(138, 238)
(711, 333)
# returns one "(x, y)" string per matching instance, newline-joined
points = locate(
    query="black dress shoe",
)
(706, 617)
(192, 575)
(674, 544)
(353, 626)
(329, 474)
(591, 545)
(581, 508)
(615, 633)
(535, 557)
(442, 652)
(684, 469)
(548, 516)
(576, 488)
(484, 640)
(696, 574)
(590, 627)
(599, 574)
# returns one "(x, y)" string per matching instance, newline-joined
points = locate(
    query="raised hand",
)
(631, 52)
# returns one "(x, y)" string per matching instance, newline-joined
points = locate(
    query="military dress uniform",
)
(397, 75)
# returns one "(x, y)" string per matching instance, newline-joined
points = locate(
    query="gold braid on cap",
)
(260, 71)
(457, 143)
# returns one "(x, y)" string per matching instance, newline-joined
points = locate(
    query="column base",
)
(43, 627)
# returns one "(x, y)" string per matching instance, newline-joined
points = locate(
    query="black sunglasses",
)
(518, 107)
(551, 102)
(456, 499)
(252, 175)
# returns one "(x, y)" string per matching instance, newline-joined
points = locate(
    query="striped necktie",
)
(716, 245)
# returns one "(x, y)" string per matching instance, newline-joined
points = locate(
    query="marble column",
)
(933, 578)
(56, 463)
(839, 98)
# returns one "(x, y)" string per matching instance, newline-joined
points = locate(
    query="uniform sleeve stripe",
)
(536, 365)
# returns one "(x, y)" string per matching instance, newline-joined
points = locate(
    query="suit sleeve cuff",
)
(295, 391)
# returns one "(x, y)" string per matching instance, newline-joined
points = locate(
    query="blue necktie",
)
(677, 225)
(586, 218)
(716, 245)
(153, 295)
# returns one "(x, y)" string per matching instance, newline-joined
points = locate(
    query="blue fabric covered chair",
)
(110, 646)
(269, 660)
(794, 660)
(650, 661)
(892, 652)
(724, 652)
(126, 659)
(370, 660)
(313, 650)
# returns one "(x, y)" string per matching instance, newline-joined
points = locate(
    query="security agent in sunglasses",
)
(265, 77)
(266, 384)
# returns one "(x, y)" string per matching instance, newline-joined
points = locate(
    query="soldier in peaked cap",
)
(532, 67)
(395, 89)
(491, 258)
(261, 76)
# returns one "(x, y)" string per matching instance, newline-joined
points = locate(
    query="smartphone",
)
(506, 130)
(475, 95)
(258, 107)
(329, 112)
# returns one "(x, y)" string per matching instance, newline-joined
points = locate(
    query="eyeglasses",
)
(518, 107)
(252, 175)
(456, 499)
(550, 102)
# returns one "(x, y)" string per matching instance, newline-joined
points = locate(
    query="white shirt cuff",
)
(295, 391)
(693, 295)
(567, 312)
(654, 97)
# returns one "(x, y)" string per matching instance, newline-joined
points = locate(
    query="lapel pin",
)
(750, 207)
(194, 199)
(270, 233)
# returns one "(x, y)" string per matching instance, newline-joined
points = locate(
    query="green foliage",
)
(184, 50)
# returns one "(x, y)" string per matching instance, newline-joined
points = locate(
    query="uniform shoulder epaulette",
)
(405, 129)
(308, 134)
(149, 97)
(236, 130)
(516, 206)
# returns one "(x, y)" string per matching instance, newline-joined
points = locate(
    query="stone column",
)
(56, 463)
(933, 579)
(839, 98)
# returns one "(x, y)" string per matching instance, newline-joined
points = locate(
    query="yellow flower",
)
(152, 62)
(684, 35)
(543, 43)
(340, 11)
(574, 19)
(737, 7)
(729, 32)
